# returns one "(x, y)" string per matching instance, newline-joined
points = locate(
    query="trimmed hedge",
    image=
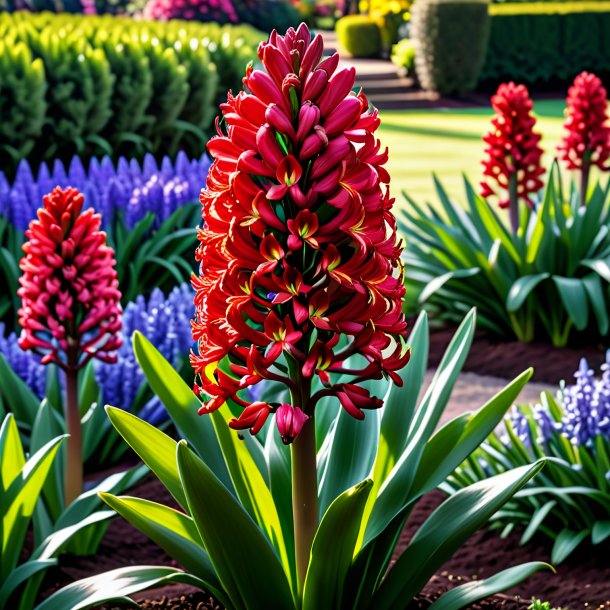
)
(359, 35)
(86, 85)
(450, 40)
(537, 42)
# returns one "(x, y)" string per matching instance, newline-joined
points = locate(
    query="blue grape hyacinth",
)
(129, 189)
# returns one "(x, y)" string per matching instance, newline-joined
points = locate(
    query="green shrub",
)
(403, 55)
(450, 41)
(105, 85)
(536, 42)
(22, 99)
(359, 35)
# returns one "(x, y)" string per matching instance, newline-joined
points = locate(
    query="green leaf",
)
(156, 449)
(396, 488)
(181, 404)
(595, 291)
(249, 483)
(351, 457)
(333, 549)
(22, 574)
(566, 541)
(443, 455)
(574, 299)
(20, 399)
(600, 266)
(438, 282)
(471, 592)
(243, 558)
(12, 456)
(522, 288)
(114, 586)
(447, 528)
(173, 531)
(600, 531)
(536, 521)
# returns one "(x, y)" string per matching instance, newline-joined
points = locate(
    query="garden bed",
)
(580, 582)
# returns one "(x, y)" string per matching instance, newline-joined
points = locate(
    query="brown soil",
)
(507, 359)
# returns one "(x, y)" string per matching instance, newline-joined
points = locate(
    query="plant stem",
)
(73, 482)
(304, 485)
(513, 198)
(584, 183)
(304, 496)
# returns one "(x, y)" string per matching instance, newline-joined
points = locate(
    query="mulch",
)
(581, 583)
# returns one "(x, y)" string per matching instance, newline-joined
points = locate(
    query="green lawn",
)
(448, 143)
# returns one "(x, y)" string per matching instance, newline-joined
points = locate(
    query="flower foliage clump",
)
(513, 152)
(300, 262)
(587, 139)
(69, 288)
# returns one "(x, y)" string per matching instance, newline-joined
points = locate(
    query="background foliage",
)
(100, 85)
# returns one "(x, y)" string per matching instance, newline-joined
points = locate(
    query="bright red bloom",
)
(70, 309)
(300, 262)
(513, 152)
(587, 141)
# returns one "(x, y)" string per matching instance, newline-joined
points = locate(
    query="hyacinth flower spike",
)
(70, 310)
(587, 140)
(512, 162)
(301, 281)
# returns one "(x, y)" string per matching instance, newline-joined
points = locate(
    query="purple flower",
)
(126, 189)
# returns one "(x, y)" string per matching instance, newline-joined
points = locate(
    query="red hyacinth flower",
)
(70, 309)
(512, 163)
(587, 139)
(301, 281)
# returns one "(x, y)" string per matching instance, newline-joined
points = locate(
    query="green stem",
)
(304, 486)
(73, 482)
(584, 182)
(513, 198)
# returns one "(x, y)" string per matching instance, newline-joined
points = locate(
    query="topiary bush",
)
(450, 39)
(359, 35)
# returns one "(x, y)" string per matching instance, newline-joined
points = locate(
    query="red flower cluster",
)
(70, 309)
(513, 149)
(220, 11)
(587, 141)
(301, 276)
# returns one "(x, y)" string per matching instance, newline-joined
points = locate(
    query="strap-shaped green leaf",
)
(447, 528)
(442, 456)
(174, 532)
(574, 298)
(244, 560)
(522, 288)
(21, 401)
(395, 490)
(249, 483)
(22, 574)
(114, 586)
(439, 281)
(536, 521)
(351, 457)
(479, 589)
(155, 448)
(333, 549)
(12, 456)
(181, 404)
(595, 291)
(566, 542)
